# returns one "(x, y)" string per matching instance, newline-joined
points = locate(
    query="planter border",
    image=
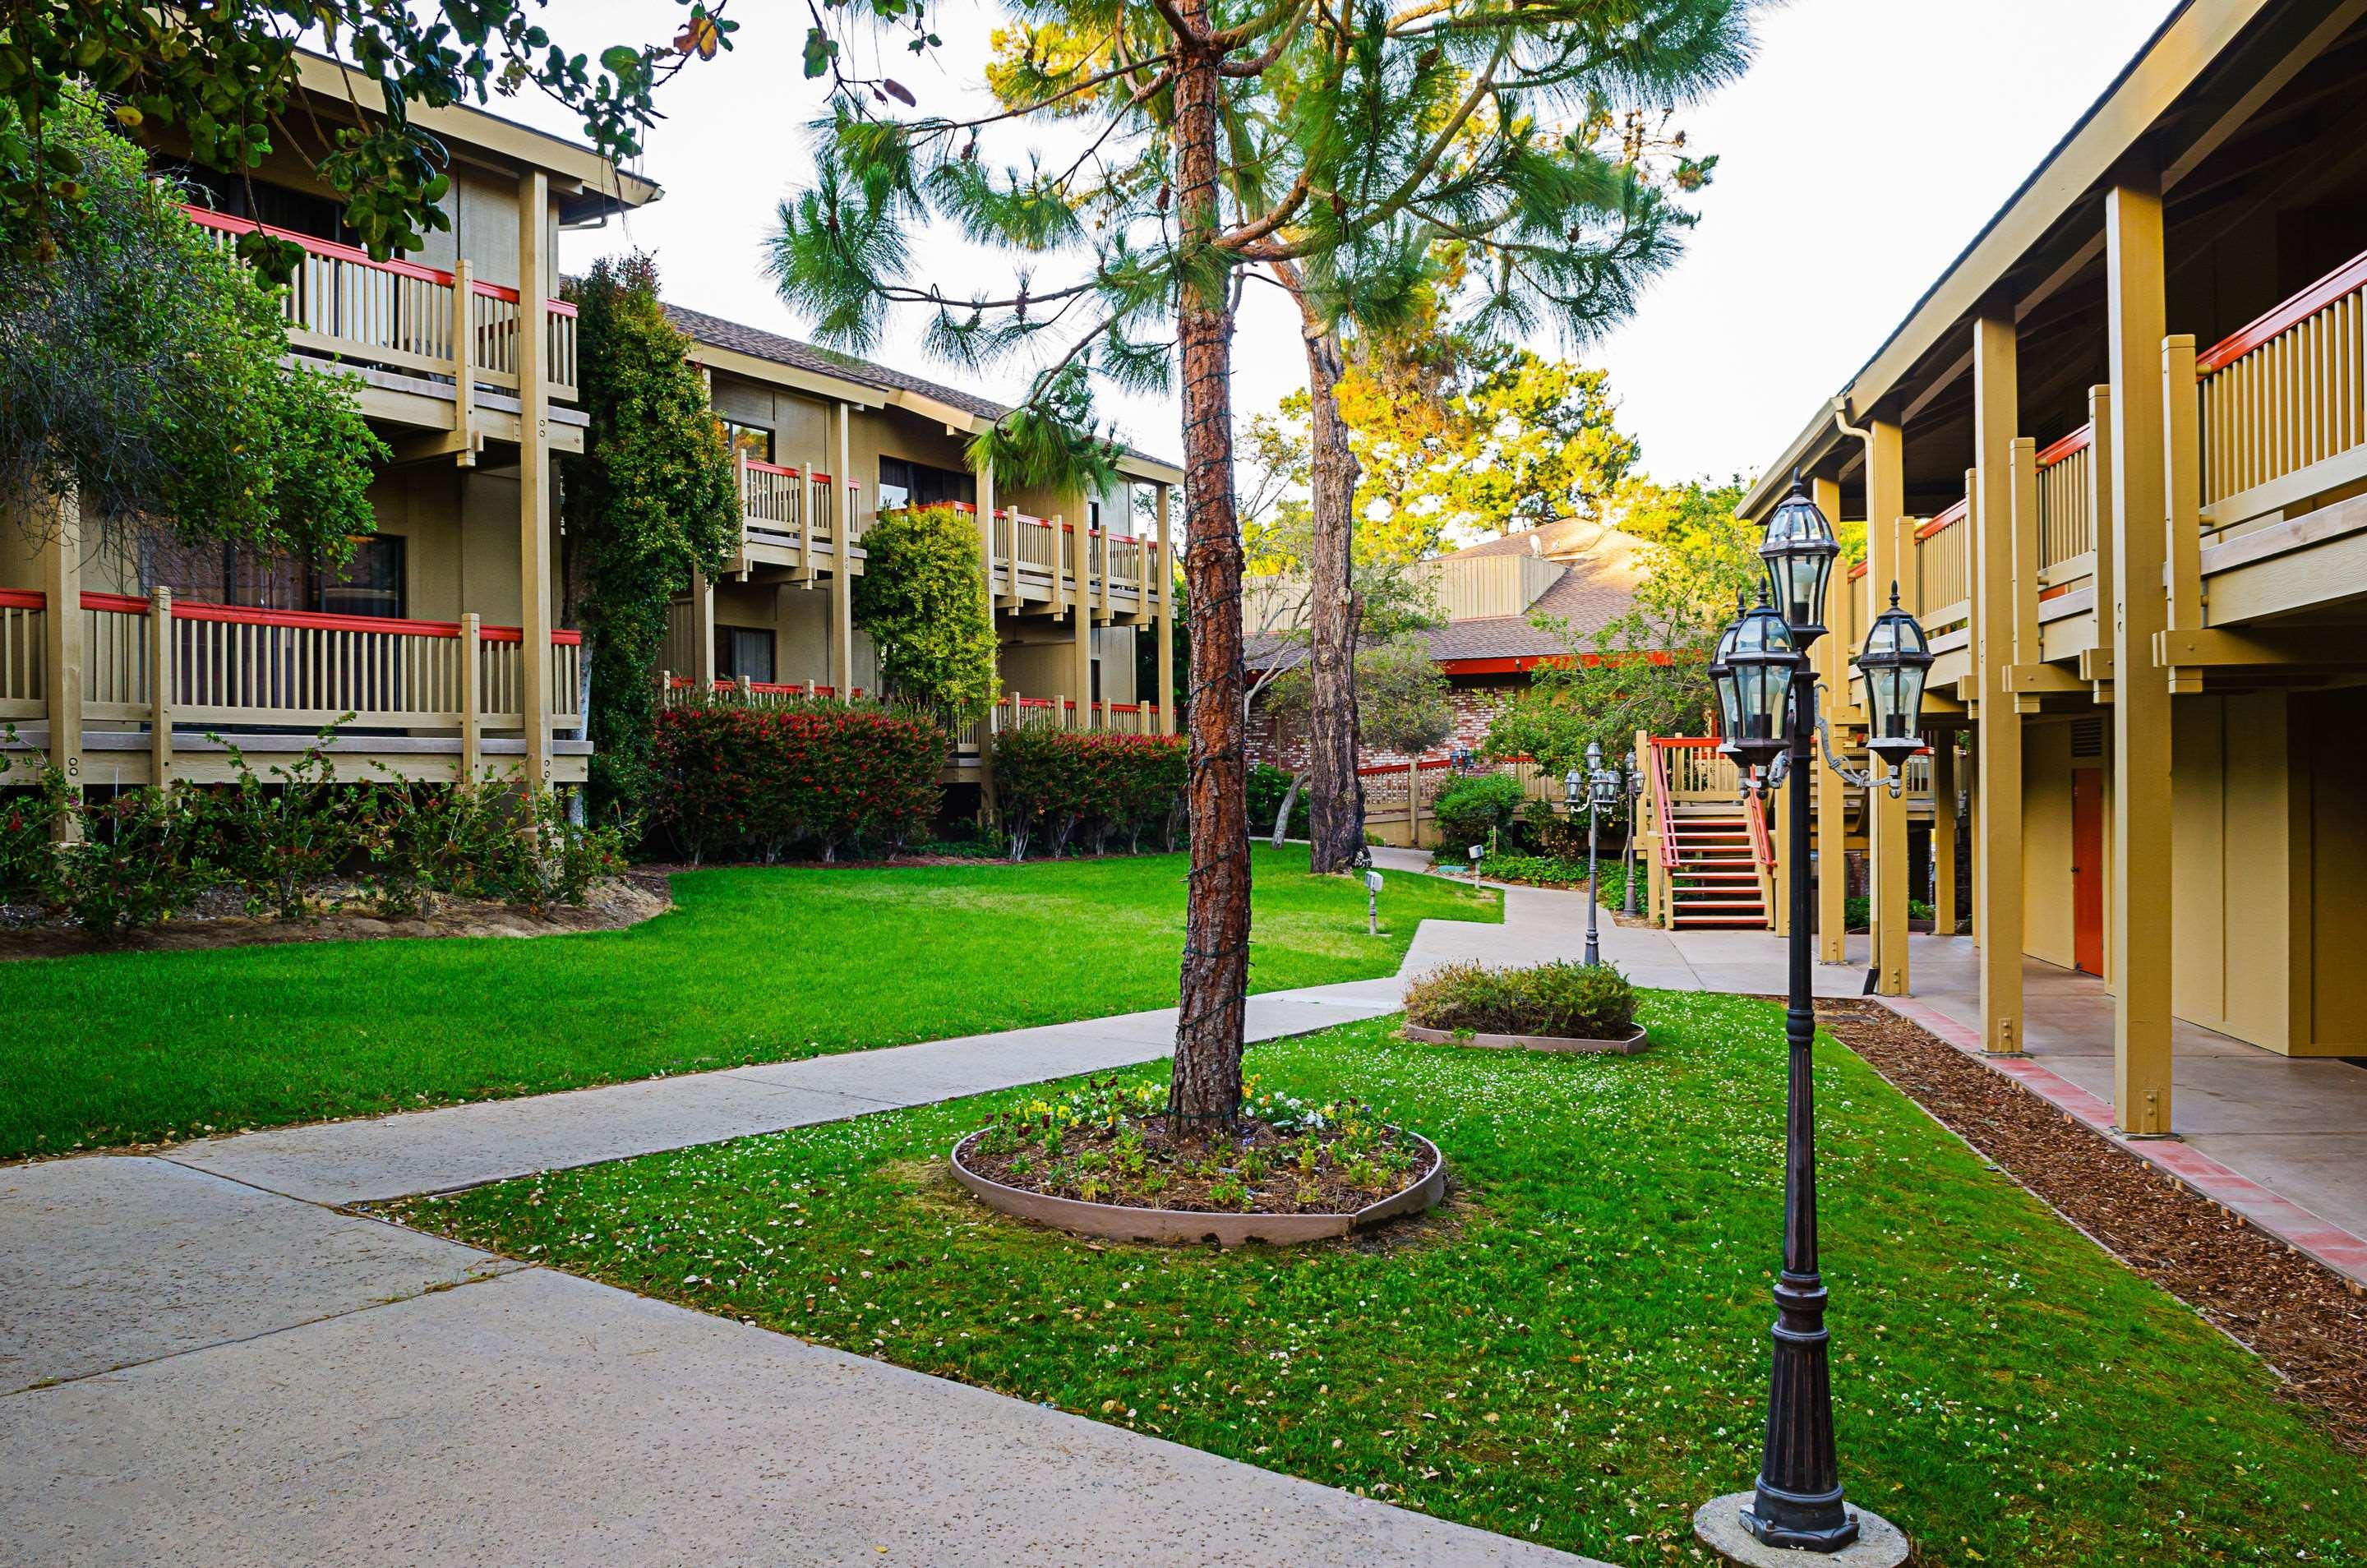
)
(1635, 1042)
(1118, 1222)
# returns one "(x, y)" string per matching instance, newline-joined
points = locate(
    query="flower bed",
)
(1548, 1007)
(1107, 1161)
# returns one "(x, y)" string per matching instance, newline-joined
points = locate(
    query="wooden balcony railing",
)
(2284, 401)
(400, 314)
(796, 510)
(1943, 561)
(2066, 521)
(1039, 553)
(194, 665)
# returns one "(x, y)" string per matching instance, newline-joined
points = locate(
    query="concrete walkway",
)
(201, 1361)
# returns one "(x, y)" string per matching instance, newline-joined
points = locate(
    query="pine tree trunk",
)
(1206, 1088)
(1335, 804)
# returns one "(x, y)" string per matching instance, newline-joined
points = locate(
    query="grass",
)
(753, 965)
(1573, 1353)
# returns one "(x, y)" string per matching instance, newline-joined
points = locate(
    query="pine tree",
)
(1345, 142)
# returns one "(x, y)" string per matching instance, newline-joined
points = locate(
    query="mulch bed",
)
(1260, 1159)
(2307, 1322)
(614, 904)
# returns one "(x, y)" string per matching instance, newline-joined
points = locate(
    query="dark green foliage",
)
(1577, 1002)
(922, 599)
(733, 780)
(140, 858)
(1268, 784)
(1057, 782)
(1475, 805)
(277, 838)
(144, 373)
(654, 495)
(28, 813)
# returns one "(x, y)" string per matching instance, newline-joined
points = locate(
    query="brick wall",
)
(1476, 705)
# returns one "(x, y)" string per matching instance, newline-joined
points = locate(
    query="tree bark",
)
(1205, 1091)
(1335, 803)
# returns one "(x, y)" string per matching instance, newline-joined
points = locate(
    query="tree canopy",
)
(921, 600)
(143, 375)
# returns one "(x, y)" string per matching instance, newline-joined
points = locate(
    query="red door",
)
(2088, 869)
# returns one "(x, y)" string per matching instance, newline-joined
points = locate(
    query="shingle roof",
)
(758, 343)
(1595, 587)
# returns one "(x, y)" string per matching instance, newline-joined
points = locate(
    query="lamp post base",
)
(1718, 1524)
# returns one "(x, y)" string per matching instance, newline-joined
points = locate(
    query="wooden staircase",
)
(1714, 880)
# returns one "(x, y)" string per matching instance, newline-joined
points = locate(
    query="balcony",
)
(397, 314)
(1034, 562)
(789, 517)
(157, 675)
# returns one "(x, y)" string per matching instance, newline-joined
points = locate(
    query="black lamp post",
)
(1602, 790)
(1768, 700)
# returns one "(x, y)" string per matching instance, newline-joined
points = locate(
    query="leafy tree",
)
(1645, 669)
(654, 495)
(1401, 703)
(921, 597)
(143, 375)
(1233, 134)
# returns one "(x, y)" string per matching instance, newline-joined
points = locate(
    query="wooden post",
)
(1997, 885)
(1944, 834)
(2182, 473)
(702, 632)
(841, 545)
(986, 554)
(160, 685)
(2137, 896)
(1832, 795)
(473, 700)
(1413, 804)
(464, 360)
(1102, 590)
(1166, 621)
(1885, 493)
(62, 650)
(1080, 613)
(533, 476)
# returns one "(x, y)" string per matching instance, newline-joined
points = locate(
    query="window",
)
(907, 483)
(752, 442)
(1094, 515)
(369, 583)
(743, 653)
(295, 212)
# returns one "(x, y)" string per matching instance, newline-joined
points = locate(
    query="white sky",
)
(1862, 152)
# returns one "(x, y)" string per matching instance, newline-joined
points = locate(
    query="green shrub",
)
(1475, 804)
(734, 780)
(140, 860)
(28, 816)
(277, 841)
(1057, 782)
(921, 600)
(1573, 1000)
(1267, 786)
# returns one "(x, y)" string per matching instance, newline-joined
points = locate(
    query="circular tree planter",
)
(1115, 1221)
(1628, 1045)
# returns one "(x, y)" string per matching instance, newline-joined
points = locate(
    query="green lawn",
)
(753, 965)
(1575, 1352)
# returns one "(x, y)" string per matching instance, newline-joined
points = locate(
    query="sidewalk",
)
(202, 1360)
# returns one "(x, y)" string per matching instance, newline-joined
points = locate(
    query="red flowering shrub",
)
(736, 781)
(1057, 782)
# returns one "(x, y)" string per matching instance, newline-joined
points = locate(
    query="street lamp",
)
(1635, 808)
(1602, 795)
(1767, 697)
(1460, 756)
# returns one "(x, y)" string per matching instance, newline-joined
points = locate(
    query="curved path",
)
(204, 1360)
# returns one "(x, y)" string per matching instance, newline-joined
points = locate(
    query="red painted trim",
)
(310, 620)
(1955, 513)
(1687, 742)
(206, 218)
(772, 468)
(2347, 278)
(24, 599)
(1857, 571)
(2056, 592)
(2079, 440)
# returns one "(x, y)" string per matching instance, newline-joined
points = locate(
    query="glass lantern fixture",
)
(1894, 662)
(1797, 552)
(1721, 674)
(1760, 664)
(1573, 790)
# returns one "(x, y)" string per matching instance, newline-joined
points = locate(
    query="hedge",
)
(1059, 783)
(1577, 1002)
(736, 782)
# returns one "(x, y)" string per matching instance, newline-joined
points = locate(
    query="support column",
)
(1997, 881)
(702, 632)
(842, 586)
(534, 475)
(1886, 501)
(1080, 540)
(2139, 894)
(1166, 620)
(61, 650)
(1832, 793)
(986, 557)
(1944, 819)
